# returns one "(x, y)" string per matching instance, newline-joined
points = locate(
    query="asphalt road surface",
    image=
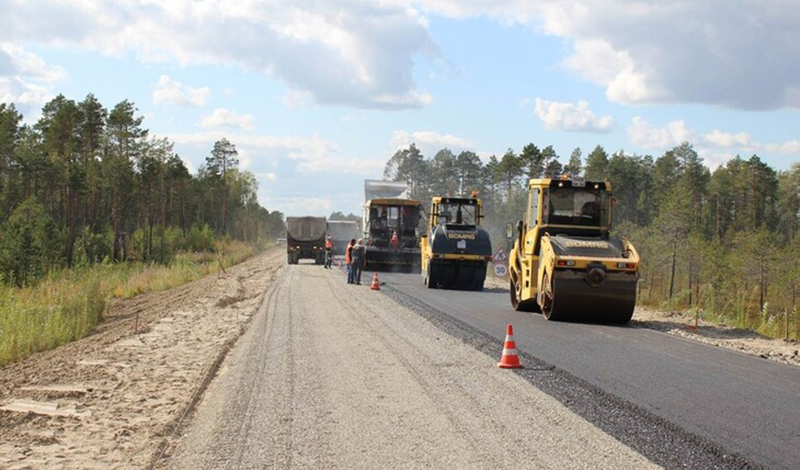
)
(330, 375)
(743, 404)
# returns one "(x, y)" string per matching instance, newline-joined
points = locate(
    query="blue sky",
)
(316, 96)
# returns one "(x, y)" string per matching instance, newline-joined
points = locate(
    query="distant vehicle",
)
(305, 239)
(341, 232)
(456, 249)
(391, 227)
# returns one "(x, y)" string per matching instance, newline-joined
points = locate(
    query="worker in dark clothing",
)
(358, 257)
(328, 252)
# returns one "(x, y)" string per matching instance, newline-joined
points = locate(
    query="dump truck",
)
(305, 239)
(341, 232)
(391, 227)
(456, 250)
(565, 263)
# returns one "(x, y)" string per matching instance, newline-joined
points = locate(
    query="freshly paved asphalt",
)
(744, 404)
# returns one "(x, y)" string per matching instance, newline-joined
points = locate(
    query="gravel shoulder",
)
(674, 323)
(108, 400)
(330, 375)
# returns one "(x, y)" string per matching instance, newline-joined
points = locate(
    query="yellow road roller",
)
(565, 263)
(456, 249)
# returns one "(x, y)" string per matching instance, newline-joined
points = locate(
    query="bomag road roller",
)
(564, 262)
(456, 249)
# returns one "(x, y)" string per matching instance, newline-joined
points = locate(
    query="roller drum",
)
(588, 296)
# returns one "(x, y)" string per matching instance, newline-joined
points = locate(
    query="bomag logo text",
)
(461, 236)
(581, 244)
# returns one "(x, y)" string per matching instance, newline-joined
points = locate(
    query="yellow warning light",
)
(565, 176)
(474, 193)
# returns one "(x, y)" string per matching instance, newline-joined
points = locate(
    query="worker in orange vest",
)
(328, 252)
(348, 258)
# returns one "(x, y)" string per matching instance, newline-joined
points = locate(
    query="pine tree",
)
(596, 164)
(575, 165)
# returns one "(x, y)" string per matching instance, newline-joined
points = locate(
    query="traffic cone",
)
(510, 358)
(375, 284)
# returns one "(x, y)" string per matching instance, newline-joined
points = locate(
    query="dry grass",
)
(70, 303)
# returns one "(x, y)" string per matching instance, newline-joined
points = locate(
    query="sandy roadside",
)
(338, 376)
(108, 400)
(787, 352)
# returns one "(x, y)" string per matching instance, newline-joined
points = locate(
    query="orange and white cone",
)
(375, 284)
(510, 358)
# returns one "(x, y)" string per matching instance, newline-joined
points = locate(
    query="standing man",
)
(348, 253)
(359, 259)
(328, 252)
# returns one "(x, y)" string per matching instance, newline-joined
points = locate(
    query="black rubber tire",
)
(549, 306)
(479, 277)
(426, 279)
(623, 315)
(465, 278)
(448, 277)
(518, 305)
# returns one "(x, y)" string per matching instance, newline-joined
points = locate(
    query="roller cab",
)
(565, 263)
(455, 250)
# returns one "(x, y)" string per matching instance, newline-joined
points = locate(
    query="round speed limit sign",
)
(500, 270)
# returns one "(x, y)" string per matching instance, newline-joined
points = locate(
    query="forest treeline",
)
(722, 243)
(86, 184)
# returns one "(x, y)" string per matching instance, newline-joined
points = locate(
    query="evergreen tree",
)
(575, 165)
(596, 164)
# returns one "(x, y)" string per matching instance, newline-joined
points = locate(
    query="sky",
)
(317, 95)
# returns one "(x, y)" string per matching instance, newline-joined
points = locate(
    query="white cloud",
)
(715, 146)
(304, 205)
(311, 154)
(224, 118)
(357, 53)
(25, 79)
(429, 139)
(738, 54)
(571, 117)
(170, 91)
(644, 135)
(720, 139)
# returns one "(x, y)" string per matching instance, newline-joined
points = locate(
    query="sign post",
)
(500, 263)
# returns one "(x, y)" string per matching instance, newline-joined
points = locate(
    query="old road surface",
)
(330, 375)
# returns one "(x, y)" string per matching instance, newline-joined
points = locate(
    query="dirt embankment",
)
(108, 400)
(787, 352)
